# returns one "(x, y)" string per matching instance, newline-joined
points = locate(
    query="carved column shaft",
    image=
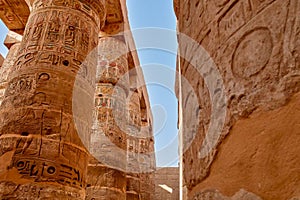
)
(147, 166)
(6, 68)
(41, 153)
(146, 154)
(133, 167)
(106, 171)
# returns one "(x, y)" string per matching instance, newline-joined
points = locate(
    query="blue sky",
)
(159, 70)
(159, 67)
(3, 32)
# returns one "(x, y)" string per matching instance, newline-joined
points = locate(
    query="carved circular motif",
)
(20, 164)
(51, 170)
(44, 76)
(252, 53)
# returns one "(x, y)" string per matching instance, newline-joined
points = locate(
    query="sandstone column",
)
(146, 156)
(106, 171)
(147, 168)
(41, 153)
(7, 65)
(134, 127)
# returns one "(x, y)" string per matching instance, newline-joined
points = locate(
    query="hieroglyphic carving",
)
(113, 9)
(38, 30)
(234, 19)
(22, 84)
(134, 110)
(108, 138)
(113, 64)
(238, 14)
(70, 34)
(253, 53)
(37, 118)
(53, 31)
(254, 46)
(110, 108)
(29, 191)
(48, 171)
(6, 68)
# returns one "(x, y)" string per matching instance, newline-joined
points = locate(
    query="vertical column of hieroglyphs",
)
(8, 65)
(106, 171)
(41, 153)
(133, 167)
(255, 47)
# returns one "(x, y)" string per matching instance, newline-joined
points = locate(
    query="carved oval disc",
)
(252, 53)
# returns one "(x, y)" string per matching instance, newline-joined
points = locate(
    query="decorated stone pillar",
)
(134, 127)
(146, 157)
(7, 66)
(107, 168)
(41, 153)
(147, 164)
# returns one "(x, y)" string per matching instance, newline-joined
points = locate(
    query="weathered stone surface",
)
(147, 185)
(115, 141)
(105, 182)
(255, 47)
(216, 195)
(107, 170)
(168, 176)
(1, 60)
(261, 155)
(133, 186)
(14, 13)
(8, 65)
(113, 62)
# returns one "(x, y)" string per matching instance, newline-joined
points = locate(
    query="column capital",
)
(12, 38)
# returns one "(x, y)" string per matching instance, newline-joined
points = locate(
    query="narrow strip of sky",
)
(159, 67)
(3, 32)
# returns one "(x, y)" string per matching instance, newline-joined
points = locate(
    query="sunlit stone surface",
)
(250, 52)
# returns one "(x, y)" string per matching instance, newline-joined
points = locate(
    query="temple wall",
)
(240, 59)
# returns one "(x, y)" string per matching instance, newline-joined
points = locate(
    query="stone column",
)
(106, 171)
(146, 156)
(6, 67)
(41, 153)
(147, 167)
(133, 167)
